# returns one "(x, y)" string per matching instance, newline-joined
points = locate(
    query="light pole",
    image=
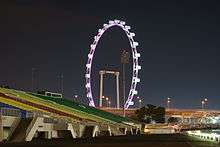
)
(124, 61)
(206, 103)
(168, 102)
(109, 103)
(60, 80)
(107, 99)
(76, 97)
(140, 103)
(138, 100)
(203, 103)
(32, 78)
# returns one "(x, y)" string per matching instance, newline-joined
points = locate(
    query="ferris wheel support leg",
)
(101, 89)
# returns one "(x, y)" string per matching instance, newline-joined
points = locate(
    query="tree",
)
(172, 120)
(151, 114)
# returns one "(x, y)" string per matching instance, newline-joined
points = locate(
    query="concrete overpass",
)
(169, 112)
(25, 115)
(185, 116)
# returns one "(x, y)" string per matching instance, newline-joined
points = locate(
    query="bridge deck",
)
(62, 107)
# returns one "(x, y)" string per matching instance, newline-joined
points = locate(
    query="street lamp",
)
(107, 100)
(140, 101)
(168, 102)
(203, 103)
(124, 60)
(75, 97)
(206, 102)
(109, 103)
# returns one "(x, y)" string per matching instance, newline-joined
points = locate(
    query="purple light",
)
(135, 56)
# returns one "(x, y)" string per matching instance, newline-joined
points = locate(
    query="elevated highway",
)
(169, 112)
(49, 114)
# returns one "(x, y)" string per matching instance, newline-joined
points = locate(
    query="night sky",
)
(178, 41)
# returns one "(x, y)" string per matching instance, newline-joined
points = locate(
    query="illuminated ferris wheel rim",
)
(135, 56)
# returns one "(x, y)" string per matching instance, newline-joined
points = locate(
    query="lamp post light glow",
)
(140, 103)
(109, 103)
(168, 102)
(206, 102)
(76, 98)
(203, 103)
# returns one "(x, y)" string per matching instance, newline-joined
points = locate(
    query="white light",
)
(137, 80)
(138, 55)
(89, 95)
(135, 92)
(88, 65)
(131, 103)
(127, 27)
(90, 56)
(135, 43)
(122, 22)
(117, 21)
(87, 85)
(87, 75)
(101, 31)
(138, 67)
(96, 38)
(111, 22)
(91, 104)
(132, 34)
(92, 46)
(105, 25)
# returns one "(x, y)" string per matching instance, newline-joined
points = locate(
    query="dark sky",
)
(179, 46)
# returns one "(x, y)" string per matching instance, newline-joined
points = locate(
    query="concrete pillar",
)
(48, 134)
(132, 133)
(54, 134)
(72, 130)
(125, 132)
(110, 131)
(117, 89)
(95, 131)
(81, 130)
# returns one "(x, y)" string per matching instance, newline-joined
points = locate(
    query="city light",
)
(168, 102)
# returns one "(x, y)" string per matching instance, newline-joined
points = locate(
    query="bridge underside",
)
(16, 129)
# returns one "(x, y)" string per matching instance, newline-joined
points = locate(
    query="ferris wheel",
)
(135, 56)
